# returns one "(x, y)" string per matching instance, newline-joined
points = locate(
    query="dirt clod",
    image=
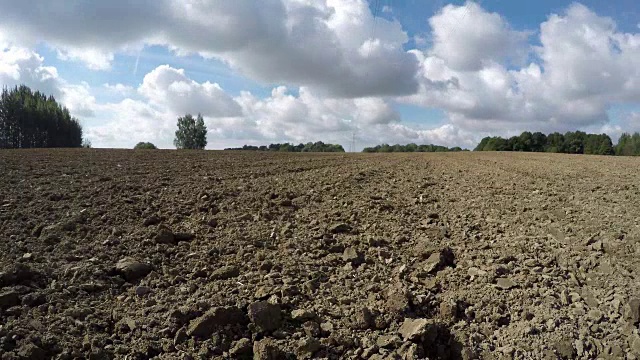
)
(265, 316)
(215, 319)
(132, 270)
(9, 298)
(413, 329)
(266, 349)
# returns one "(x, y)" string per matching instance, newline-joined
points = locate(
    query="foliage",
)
(628, 145)
(318, 146)
(145, 146)
(32, 120)
(86, 143)
(577, 142)
(386, 148)
(191, 133)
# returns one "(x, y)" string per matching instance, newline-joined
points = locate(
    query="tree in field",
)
(538, 141)
(145, 145)
(30, 119)
(191, 133)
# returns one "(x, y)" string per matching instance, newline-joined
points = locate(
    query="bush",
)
(145, 145)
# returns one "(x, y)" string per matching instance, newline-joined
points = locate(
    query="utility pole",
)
(353, 142)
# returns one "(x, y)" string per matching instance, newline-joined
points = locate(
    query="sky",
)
(377, 71)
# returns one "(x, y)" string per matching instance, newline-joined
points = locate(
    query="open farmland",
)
(186, 254)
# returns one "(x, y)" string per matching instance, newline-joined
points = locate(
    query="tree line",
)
(33, 120)
(571, 142)
(386, 148)
(318, 146)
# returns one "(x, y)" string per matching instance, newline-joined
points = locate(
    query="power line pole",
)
(353, 141)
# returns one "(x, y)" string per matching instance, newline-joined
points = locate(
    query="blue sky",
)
(446, 72)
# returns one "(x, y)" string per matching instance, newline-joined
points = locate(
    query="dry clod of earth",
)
(265, 316)
(109, 254)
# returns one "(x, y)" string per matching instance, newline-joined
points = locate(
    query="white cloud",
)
(120, 89)
(19, 65)
(469, 38)
(79, 100)
(139, 120)
(171, 87)
(313, 44)
(94, 59)
(585, 66)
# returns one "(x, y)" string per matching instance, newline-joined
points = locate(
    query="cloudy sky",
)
(263, 71)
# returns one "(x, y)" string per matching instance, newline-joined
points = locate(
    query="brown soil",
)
(197, 255)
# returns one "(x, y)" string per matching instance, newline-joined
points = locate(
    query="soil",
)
(120, 254)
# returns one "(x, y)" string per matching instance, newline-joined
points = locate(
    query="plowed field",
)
(114, 254)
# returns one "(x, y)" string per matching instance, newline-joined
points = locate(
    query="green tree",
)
(145, 145)
(555, 142)
(482, 144)
(411, 147)
(191, 133)
(538, 141)
(30, 119)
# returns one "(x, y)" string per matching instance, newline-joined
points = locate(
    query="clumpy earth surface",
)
(116, 254)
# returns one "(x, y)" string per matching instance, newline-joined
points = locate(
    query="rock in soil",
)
(216, 319)
(265, 316)
(266, 349)
(9, 298)
(132, 270)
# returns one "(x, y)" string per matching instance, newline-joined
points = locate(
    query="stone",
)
(311, 328)
(413, 329)
(216, 318)
(308, 346)
(397, 299)
(326, 327)
(183, 236)
(409, 351)
(340, 228)
(8, 299)
(265, 316)
(132, 270)
(226, 272)
(241, 349)
(165, 236)
(142, 290)
(387, 341)
(353, 256)
(265, 349)
(634, 344)
(564, 349)
(439, 260)
(632, 310)
(505, 284)
(16, 274)
(151, 220)
(302, 314)
(363, 319)
(595, 315)
(32, 352)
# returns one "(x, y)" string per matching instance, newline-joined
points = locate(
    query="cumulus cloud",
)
(20, 65)
(171, 87)
(282, 116)
(325, 45)
(468, 38)
(583, 66)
